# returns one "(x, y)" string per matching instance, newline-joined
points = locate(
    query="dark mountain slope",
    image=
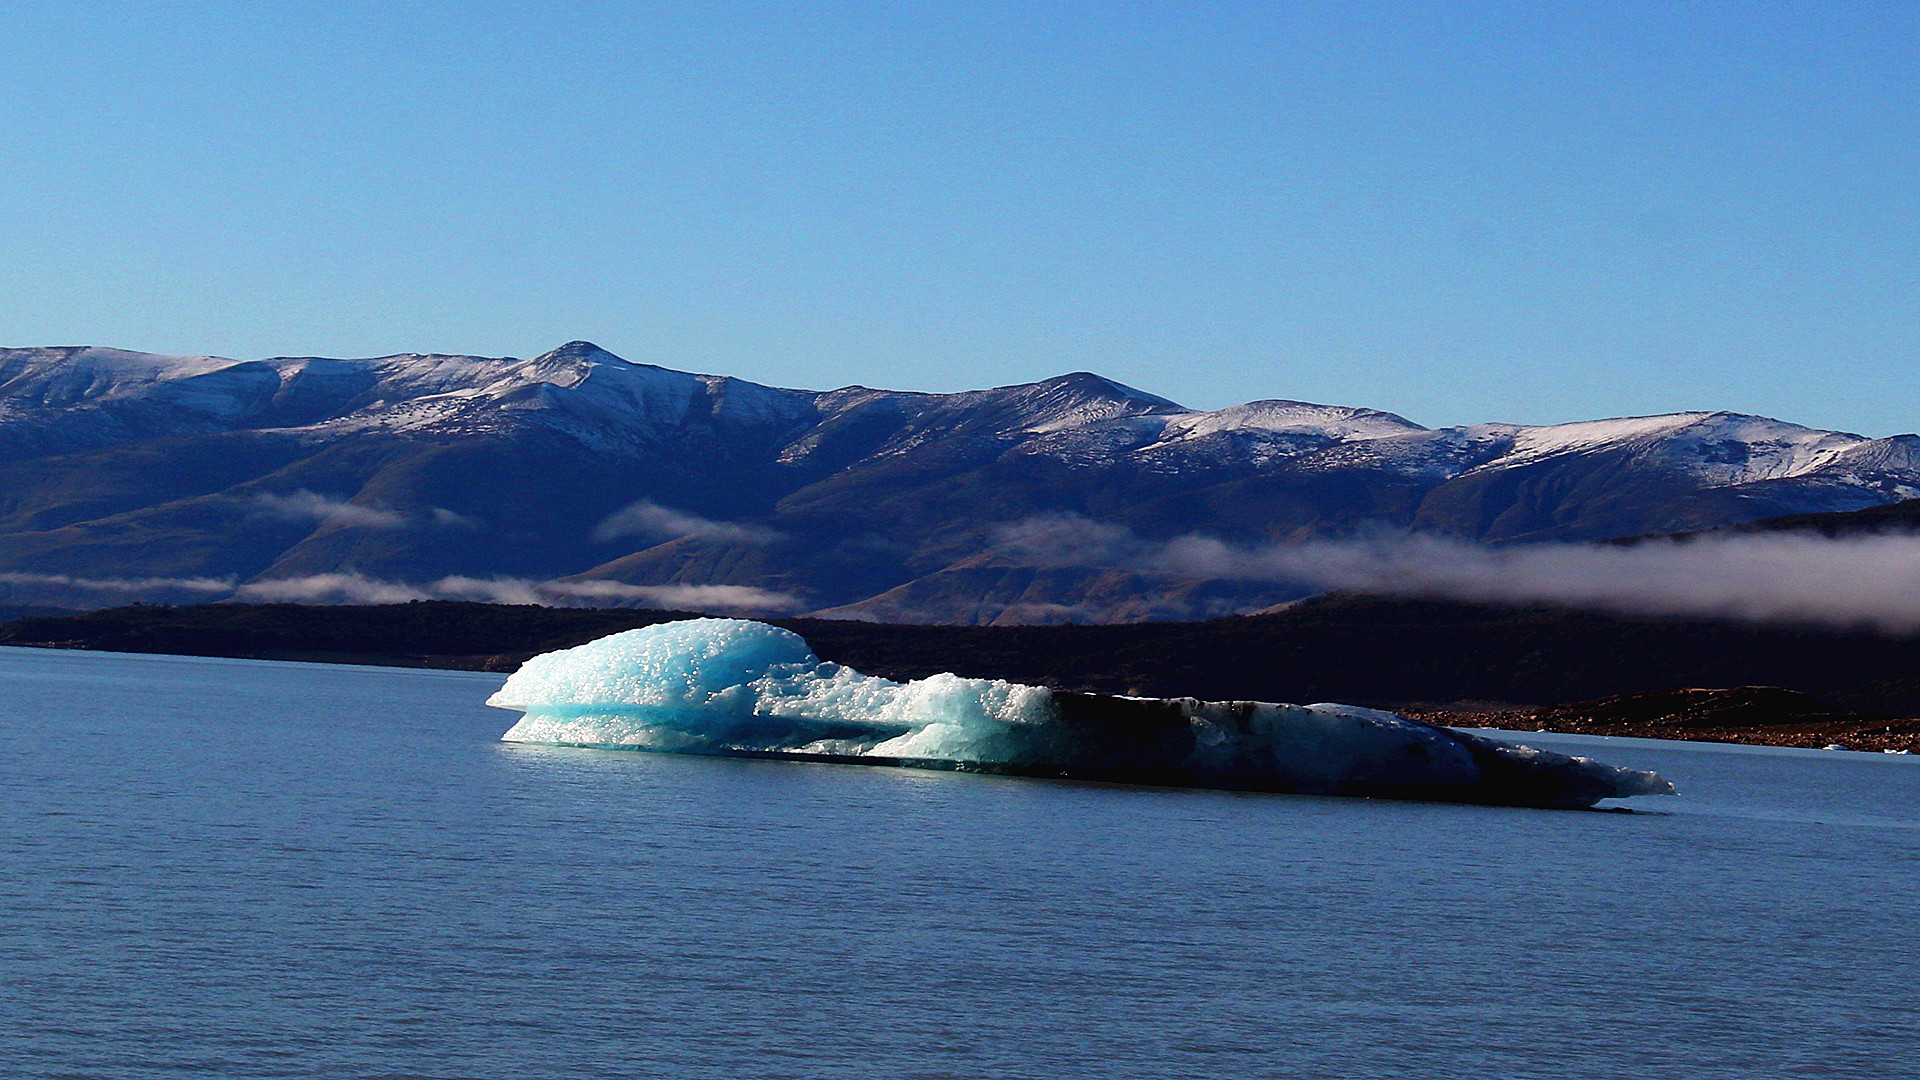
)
(619, 478)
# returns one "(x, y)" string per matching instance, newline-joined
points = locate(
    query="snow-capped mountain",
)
(579, 475)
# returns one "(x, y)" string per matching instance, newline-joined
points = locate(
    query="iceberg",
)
(741, 688)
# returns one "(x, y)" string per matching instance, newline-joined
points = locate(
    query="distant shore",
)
(1453, 664)
(1852, 733)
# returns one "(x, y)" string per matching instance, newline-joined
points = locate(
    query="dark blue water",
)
(238, 869)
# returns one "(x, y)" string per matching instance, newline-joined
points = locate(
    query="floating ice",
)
(730, 686)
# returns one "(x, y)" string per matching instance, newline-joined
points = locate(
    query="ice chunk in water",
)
(731, 686)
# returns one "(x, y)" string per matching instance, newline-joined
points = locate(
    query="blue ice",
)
(733, 686)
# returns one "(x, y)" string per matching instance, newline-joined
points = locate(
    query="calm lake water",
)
(237, 869)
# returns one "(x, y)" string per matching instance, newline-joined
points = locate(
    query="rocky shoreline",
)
(1754, 715)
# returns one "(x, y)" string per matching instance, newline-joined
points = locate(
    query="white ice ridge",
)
(732, 686)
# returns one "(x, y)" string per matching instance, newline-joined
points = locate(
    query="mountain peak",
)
(1101, 386)
(578, 350)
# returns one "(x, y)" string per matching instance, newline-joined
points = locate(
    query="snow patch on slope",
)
(65, 376)
(1337, 422)
(1721, 449)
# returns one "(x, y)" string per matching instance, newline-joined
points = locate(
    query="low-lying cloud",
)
(354, 588)
(728, 598)
(306, 505)
(341, 588)
(121, 585)
(1866, 581)
(311, 506)
(651, 521)
(1853, 581)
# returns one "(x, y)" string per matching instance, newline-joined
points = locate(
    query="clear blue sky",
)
(1458, 211)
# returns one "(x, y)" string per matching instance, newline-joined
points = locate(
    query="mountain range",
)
(577, 476)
